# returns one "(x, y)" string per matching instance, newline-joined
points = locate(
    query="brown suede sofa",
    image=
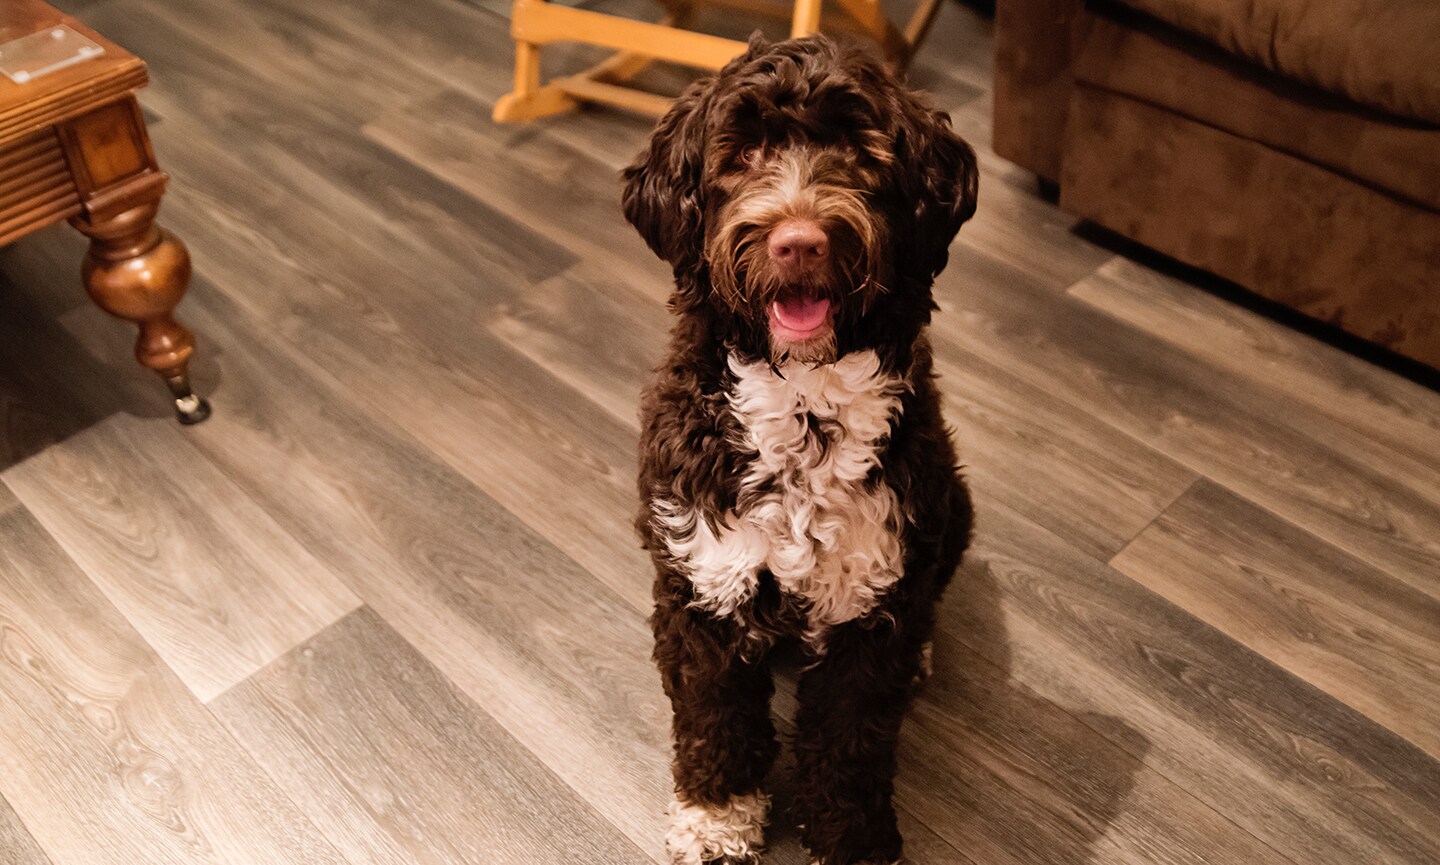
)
(1290, 146)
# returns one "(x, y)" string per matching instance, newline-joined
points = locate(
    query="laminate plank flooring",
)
(48, 389)
(1340, 485)
(1346, 628)
(15, 841)
(1307, 775)
(403, 765)
(424, 335)
(1402, 415)
(106, 757)
(210, 580)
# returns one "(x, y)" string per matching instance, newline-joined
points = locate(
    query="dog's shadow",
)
(990, 771)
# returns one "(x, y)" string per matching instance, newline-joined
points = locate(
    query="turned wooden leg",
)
(137, 271)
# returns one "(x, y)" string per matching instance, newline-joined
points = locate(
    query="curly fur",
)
(731, 833)
(806, 510)
(798, 490)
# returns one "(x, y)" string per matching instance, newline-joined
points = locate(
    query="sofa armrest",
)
(1033, 81)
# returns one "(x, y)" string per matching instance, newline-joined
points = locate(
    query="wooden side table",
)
(73, 146)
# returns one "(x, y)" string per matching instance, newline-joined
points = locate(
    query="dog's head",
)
(806, 200)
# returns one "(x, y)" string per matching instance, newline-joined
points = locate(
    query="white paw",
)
(733, 832)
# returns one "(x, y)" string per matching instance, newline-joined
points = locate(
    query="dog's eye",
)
(750, 155)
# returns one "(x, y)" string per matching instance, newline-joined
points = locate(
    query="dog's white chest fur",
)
(805, 509)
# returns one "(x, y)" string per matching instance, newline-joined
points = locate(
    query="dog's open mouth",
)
(798, 316)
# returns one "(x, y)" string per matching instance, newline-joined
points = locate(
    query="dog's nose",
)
(799, 243)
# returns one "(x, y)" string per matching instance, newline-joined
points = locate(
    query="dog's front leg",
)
(852, 701)
(724, 738)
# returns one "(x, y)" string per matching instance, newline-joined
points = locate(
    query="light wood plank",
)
(1306, 775)
(8, 502)
(214, 585)
(15, 841)
(106, 757)
(396, 766)
(1351, 631)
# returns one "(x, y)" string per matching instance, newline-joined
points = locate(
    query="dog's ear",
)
(663, 188)
(938, 175)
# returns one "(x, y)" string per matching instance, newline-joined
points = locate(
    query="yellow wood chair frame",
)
(535, 23)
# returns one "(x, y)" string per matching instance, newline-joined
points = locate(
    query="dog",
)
(797, 480)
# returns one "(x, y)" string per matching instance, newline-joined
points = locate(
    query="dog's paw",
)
(927, 667)
(729, 834)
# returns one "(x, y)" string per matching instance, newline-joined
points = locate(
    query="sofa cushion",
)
(1382, 53)
(1171, 70)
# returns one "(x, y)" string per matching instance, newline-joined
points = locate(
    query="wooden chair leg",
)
(137, 271)
(530, 99)
(919, 26)
(807, 19)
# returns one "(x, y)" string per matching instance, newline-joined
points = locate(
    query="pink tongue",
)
(801, 313)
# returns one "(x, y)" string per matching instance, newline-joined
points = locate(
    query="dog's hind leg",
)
(724, 738)
(852, 702)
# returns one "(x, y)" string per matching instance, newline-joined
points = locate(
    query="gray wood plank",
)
(1348, 391)
(108, 759)
(1007, 774)
(1082, 479)
(398, 327)
(1343, 486)
(591, 330)
(49, 388)
(395, 765)
(1010, 776)
(1305, 774)
(1355, 633)
(217, 588)
(310, 147)
(414, 351)
(451, 136)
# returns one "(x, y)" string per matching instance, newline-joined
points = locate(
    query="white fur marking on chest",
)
(805, 511)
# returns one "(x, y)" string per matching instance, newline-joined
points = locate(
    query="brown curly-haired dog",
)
(796, 477)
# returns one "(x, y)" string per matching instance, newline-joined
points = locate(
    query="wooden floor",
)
(386, 606)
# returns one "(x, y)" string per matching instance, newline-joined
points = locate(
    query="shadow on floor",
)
(1326, 332)
(64, 365)
(44, 395)
(988, 767)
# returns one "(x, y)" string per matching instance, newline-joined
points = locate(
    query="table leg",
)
(137, 271)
